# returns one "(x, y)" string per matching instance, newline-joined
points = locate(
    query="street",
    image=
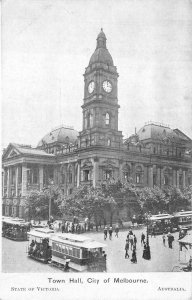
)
(163, 259)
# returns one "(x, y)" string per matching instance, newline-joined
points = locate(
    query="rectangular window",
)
(107, 174)
(35, 175)
(7, 210)
(86, 175)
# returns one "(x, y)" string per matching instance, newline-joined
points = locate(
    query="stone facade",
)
(155, 155)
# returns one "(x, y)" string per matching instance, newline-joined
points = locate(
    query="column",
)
(177, 178)
(3, 176)
(78, 172)
(55, 179)
(40, 177)
(8, 183)
(73, 174)
(16, 181)
(133, 172)
(95, 173)
(174, 178)
(150, 172)
(24, 180)
(159, 176)
(184, 178)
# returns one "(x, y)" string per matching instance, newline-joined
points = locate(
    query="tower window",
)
(108, 142)
(107, 119)
(88, 120)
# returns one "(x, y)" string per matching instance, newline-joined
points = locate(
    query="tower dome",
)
(101, 54)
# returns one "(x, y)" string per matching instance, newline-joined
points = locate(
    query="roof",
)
(32, 151)
(62, 134)
(15, 222)
(13, 150)
(160, 217)
(183, 213)
(101, 34)
(40, 234)
(101, 54)
(186, 240)
(76, 240)
(161, 132)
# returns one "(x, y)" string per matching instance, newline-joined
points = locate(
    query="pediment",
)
(11, 152)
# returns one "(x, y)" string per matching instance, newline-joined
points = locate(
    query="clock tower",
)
(100, 107)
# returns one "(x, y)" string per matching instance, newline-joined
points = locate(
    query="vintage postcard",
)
(96, 149)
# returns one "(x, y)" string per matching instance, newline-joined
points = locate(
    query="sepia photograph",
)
(96, 137)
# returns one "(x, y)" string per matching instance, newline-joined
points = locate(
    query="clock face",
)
(107, 86)
(91, 87)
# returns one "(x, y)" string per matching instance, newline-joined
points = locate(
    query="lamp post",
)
(148, 251)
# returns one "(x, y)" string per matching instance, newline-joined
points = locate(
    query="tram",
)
(183, 219)
(82, 253)
(15, 229)
(38, 245)
(161, 223)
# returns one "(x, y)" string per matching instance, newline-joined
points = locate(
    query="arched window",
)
(126, 173)
(138, 174)
(166, 179)
(107, 119)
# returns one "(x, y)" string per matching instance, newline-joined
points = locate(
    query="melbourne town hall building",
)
(155, 155)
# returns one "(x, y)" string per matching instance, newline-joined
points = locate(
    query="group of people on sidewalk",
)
(131, 242)
(109, 231)
(170, 239)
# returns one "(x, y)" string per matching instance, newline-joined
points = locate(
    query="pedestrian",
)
(134, 241)
(170, 240)
(105, 233)
(116, 230)
(142, 238)
(63, 228)
(163, 237)
(134, 256)
(110, 232)
(131, 240)
(126, 249)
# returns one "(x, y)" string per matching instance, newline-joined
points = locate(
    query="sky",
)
(47, 44)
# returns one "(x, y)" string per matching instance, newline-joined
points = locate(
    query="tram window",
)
(53, 246)
(59, 248)
(63, 249)
(78, 252)
(70, 251)
(66, 250)
(56, 247)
